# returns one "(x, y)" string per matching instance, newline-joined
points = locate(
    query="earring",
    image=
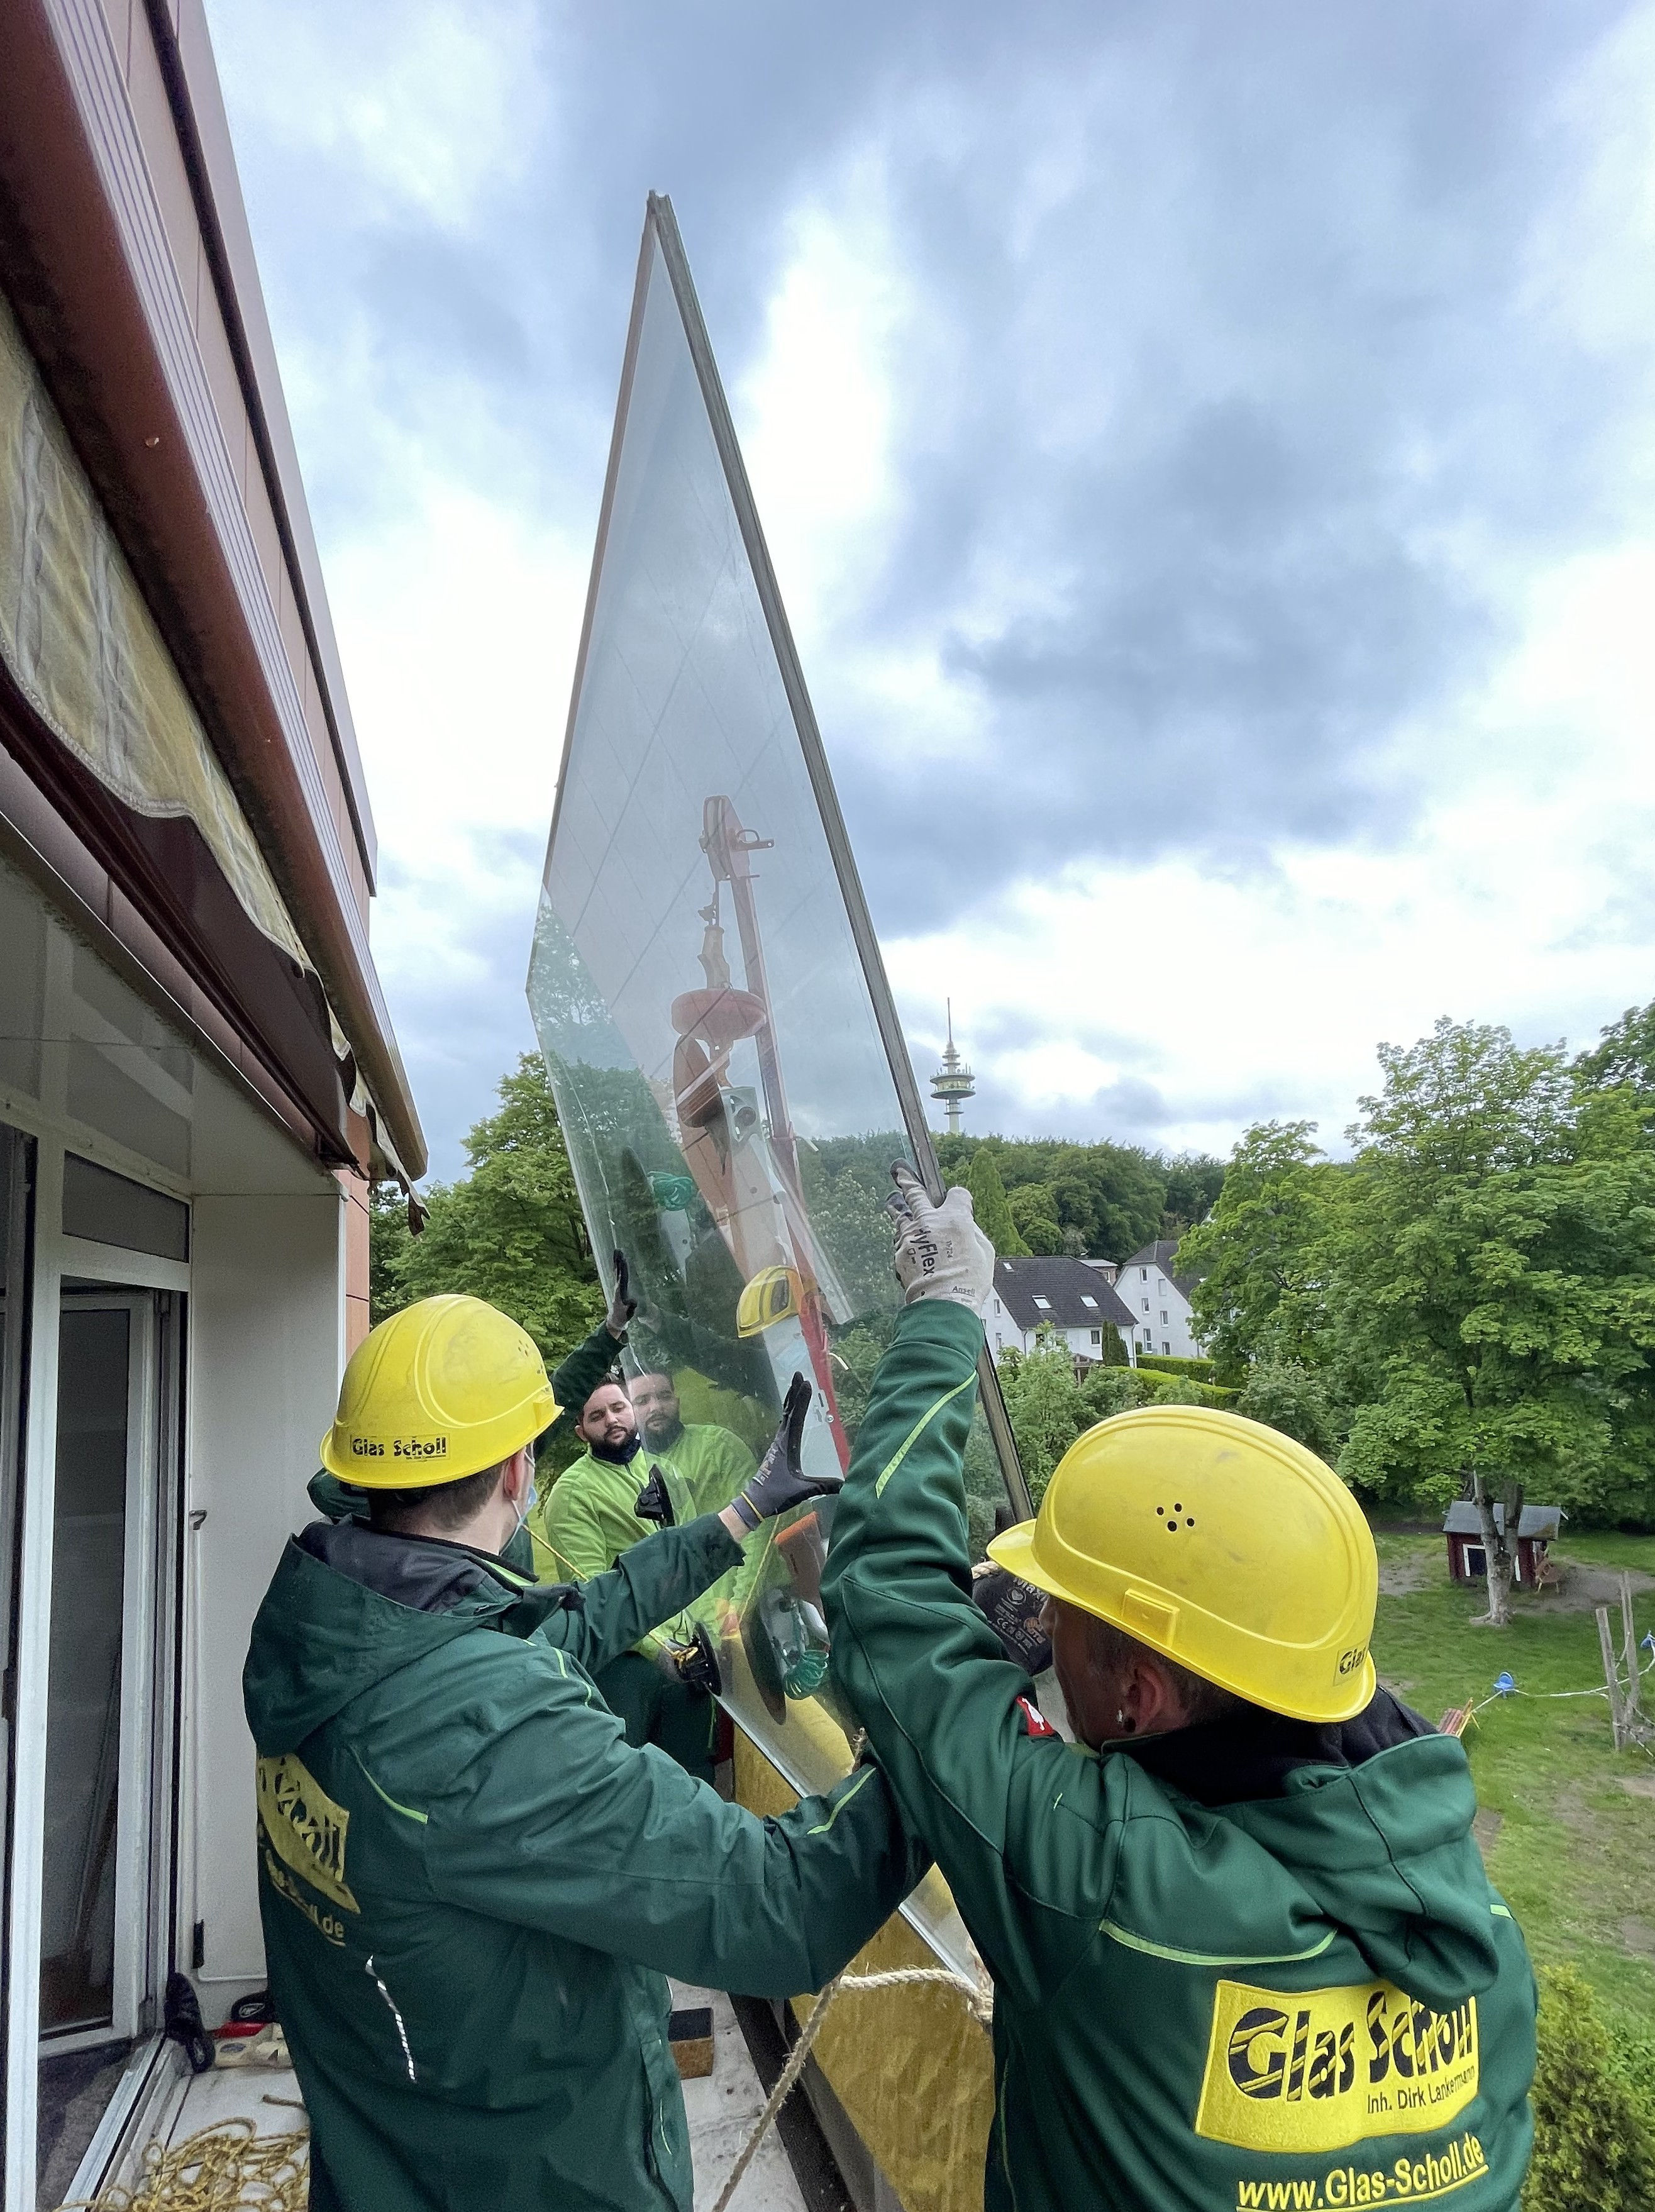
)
(1127, 1728)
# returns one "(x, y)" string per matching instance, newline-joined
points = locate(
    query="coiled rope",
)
(980, 2003)
(228, 2167)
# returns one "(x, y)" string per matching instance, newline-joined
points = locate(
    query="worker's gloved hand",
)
(622, 1305)
(941, 1253)
(780, 1481)
(652, 1502)
(695, 1664)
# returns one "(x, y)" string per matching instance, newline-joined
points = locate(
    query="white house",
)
(1067, 1296)
(1158, 1303)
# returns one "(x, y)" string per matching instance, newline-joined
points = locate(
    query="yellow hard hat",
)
(439, 1391)
(1219, 1542)
(773, 1294)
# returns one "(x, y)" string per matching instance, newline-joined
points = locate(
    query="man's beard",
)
(662, 1439)
(618, 1453)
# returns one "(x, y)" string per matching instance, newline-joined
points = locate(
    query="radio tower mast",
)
(953, 1084)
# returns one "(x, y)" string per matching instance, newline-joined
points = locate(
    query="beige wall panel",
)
(266, 1342)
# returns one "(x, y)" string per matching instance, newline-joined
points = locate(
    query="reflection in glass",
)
(709, 1023)
(83, 1708)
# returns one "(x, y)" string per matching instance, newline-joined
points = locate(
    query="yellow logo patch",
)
(306, 1827)
(1318, 2070)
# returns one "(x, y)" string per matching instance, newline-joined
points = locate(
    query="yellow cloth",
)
(913, 2070)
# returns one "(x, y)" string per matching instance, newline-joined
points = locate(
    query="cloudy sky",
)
(1207, 451)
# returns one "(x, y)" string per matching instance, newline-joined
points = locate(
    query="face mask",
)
(524, 1512)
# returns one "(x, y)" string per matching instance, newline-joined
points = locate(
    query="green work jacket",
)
(1308, 1995)
(471, 1888)
(585, 1521)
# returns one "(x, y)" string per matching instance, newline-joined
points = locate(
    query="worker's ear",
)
(1150, 1700)
(518, 1478)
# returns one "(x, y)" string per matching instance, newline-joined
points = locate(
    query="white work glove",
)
(941, 1253)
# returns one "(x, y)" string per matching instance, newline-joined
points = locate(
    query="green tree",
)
(1492, 1282)
(1044, 1405)
(1194, 1180)
(1260, 1254)
(1034, 1215)
(1624, 1054)
(510, 1231)
(388, 1240)
(989, 1207)
(1594, 2136)
(1297, 1399)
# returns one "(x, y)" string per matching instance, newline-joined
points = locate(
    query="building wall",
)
(1160, 1313)
(268, 1317)
(255, 1315)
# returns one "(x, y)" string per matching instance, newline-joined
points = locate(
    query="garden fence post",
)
(1611, 1673)
(1634, 1701)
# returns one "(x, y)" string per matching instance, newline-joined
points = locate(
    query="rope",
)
(229, 2167)
(980, 2003)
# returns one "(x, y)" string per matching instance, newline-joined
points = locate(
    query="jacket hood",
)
(1386, 1848)
(331, 1627)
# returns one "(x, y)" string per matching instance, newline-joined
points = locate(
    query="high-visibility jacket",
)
(585, 1521)
(1256, 1963)
(471, 1888)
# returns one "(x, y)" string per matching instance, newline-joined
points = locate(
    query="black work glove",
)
(622, 1305)
(695, 1664)
(780, 1482)
(652, 1502)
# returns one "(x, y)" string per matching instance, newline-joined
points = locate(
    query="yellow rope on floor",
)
(229, 2167)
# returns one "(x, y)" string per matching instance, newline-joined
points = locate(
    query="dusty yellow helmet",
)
(439, 1391)
(1219, 1542)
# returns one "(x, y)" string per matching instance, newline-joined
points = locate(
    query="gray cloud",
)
(1228, 348)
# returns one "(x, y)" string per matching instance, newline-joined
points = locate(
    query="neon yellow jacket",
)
(585, 1521)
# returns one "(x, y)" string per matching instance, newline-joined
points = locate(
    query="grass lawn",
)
(1568, 1824)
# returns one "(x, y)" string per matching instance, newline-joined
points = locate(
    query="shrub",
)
(1284, 1395)
(1198, 1370)
(1594, 2140)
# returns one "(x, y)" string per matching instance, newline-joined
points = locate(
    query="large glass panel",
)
(714, 1020)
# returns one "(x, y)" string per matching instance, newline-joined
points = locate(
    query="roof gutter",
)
(91, 276)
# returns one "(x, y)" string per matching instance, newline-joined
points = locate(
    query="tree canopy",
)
(1469, 1301)
(511, 1230)
(1105, 1200)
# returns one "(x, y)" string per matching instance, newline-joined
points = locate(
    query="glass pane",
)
(709, 1028)
(83, 1693)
